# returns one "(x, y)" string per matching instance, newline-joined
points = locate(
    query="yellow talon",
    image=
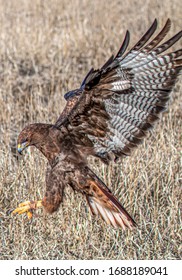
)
(27, 207)
(29, 215)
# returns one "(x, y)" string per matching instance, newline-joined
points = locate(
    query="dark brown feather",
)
(159, 37)
(146, 36)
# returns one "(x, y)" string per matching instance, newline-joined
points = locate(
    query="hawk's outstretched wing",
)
(118, 103)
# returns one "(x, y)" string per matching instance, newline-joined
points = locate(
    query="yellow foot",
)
(27, 207)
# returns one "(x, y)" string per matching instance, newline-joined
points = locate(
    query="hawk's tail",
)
(103, 203)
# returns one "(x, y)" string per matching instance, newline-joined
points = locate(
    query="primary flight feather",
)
(106, 117)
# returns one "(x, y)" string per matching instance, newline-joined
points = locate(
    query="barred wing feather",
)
(133, 110)
(119, 103)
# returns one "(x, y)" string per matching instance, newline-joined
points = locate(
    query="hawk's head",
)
(32, 135)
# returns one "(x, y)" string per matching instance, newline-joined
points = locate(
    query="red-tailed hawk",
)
(106, 117)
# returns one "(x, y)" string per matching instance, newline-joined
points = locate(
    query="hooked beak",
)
(22, 146)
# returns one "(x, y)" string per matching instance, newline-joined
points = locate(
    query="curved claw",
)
(27, 207)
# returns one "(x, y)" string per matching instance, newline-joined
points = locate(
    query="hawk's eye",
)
(25, 140)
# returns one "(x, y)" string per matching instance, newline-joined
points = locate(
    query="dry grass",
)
(46, 47)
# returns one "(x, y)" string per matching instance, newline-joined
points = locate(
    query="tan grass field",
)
(46, 48)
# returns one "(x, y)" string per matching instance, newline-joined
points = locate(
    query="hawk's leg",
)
(27, 207)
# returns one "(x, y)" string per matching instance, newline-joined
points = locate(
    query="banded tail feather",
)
(103, 203)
